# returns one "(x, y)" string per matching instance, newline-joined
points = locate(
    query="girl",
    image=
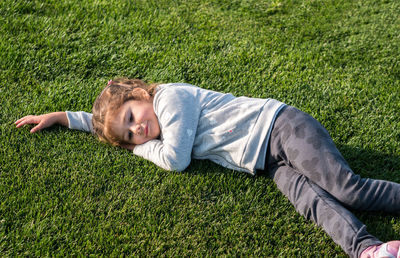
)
(169, 124)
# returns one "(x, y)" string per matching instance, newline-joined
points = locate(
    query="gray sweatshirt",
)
(204, 124)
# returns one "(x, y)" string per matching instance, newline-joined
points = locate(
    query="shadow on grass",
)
(377, 165)
(365, 162)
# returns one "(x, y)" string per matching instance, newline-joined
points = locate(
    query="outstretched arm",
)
(43, 121)
(73, 120)
(80, 120)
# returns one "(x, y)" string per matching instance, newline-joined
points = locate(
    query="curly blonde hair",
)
(117, 92)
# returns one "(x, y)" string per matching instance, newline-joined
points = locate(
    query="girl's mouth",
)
(146, 129)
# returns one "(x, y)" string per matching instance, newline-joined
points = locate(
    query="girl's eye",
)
(130, 134)
(131, 118)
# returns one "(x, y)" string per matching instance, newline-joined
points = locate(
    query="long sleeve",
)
(80, 121)
(178, 112)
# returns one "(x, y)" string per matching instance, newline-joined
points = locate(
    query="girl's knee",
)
(353, 192)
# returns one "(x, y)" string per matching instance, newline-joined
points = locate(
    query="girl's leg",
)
(316, 204)
(301, 142)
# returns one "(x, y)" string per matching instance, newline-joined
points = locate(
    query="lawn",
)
(63, 193)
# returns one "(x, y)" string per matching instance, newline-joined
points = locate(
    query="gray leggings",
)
(309, 170)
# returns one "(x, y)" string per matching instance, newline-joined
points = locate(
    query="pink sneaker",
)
(386, 250)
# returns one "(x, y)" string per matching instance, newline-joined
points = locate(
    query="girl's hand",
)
(43, 121)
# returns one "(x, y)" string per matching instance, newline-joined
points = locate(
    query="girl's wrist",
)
(62, 118)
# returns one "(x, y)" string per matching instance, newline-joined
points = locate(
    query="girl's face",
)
(136, 123)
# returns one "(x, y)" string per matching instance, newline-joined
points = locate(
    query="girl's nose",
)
(137, 129)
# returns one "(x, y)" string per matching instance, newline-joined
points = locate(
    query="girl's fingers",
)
(27, 120)
(21, 123)
(42, 122)
(36, 128)
(21, 119)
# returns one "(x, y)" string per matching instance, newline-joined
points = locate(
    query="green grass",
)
(64, 193)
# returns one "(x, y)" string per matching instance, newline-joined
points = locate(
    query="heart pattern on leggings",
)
(300, 131)
(315, 141)
(292, 153)
(310, 166)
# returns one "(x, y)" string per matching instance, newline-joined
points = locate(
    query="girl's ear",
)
(141, 93)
